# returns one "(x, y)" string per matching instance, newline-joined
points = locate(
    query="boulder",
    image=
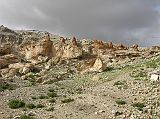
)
(8, 59)
(98, 66)
(154, 77)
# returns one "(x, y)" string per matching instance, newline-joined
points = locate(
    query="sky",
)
(120, 21)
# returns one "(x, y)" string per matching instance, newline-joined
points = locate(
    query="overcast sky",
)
(126, 21)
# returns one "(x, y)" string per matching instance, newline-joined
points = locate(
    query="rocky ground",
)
(44, 76)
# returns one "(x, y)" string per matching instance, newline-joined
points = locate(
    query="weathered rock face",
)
(99, 44)
(5, 49)
(44, 48)
(8, 59)
(120, 47)
(70, 52)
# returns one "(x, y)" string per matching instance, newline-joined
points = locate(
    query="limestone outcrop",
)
(43, 47)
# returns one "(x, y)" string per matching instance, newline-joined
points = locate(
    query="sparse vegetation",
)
(119, 83)
(51, 90)
(67, 100)
(31, 78)
(153, 63)
(138, 73)
(34, 97)
(50, 109)
(52, 100)
(52, 94)
(7, 86)
(43, 97)
(39, 106)
(139, 106)
(120, 102)
(15, 103)
(30, 106)
(26, 117)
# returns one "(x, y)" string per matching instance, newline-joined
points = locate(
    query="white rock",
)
(154, 77)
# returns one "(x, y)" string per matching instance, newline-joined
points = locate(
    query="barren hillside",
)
(46, 76)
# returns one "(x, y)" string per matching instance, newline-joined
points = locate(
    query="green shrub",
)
(31, 78)
(34, 97)
(51, 90)
(121, 102)
(7, 86)
(138, 105)
(30, 106)
(67, 100)
(52, 100)
(39, 106)
(50, 109)
(14, 104)
(119, 83)
(52, 94)
(26, 117)
(43, 97)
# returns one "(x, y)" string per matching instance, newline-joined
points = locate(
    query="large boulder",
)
(96, 66)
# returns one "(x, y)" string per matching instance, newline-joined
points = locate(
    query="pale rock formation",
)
(70, 52)
(44, 47)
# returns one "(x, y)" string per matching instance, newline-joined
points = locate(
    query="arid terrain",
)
(46, 76)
